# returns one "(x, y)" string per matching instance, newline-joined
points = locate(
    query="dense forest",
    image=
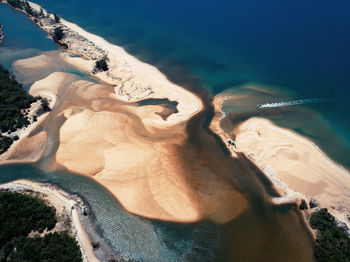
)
(14, 105)
(333, 242)
(21, 214)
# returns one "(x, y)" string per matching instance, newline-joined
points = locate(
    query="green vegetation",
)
(58, 34)
(303, 205)
(101, 65)
(14, 101)
(21, 214)
(312, 204)
(332, 243)
(58, 247)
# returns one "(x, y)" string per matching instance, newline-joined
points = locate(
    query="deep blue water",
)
(299, 45)
(246, 237)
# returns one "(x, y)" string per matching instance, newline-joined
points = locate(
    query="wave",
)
(293, 103)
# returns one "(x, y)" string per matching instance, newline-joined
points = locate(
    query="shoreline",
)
(127, 87)
(133, 79)
(325, 179)
(74, 209)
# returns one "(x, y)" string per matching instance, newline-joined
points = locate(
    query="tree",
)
(45, 105)
(58, 34)
(57, 18)
(101, 65)
(332, 243)
(303, 205)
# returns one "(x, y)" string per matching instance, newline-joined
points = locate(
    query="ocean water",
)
(22, 39)
(220, 45)
(264, 232)
(300, 47)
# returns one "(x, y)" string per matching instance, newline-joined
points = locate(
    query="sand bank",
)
(132, 150)
(133, 79)
(30, 147)
(296, 166)
(117, 145)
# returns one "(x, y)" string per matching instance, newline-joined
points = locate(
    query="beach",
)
(168, 169)
(296, 166)
(102, 128)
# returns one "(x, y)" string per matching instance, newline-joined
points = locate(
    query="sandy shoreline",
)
(116, 144)
(296, 166)
(130, 150)
(71, 211)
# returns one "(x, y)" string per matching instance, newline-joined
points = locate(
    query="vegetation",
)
(303, 205)
(332, 243)
(101, 65)
(57, 18)
(16, 4)
(14, 102)
(312, 204)
(21, 214)
(58, 247)
(58, 34)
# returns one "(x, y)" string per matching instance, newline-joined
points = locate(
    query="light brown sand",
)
(297, 167)
(133, 152)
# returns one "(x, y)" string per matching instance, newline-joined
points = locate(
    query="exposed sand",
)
(48, 87)
(140, 167)
(297, 167)
(29, 148)
(66, 206)
(131, 150)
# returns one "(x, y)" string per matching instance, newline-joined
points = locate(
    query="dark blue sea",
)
(301, 47)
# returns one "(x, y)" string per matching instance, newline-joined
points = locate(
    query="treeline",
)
(14, 107)
(333, 242)
(21, 214)
(57, 34)
(25, 6)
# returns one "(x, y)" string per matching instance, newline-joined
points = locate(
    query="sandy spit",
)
(298, 168)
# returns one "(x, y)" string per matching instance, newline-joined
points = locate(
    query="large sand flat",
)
(296, 161)
(140, 167)
(295, 165)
